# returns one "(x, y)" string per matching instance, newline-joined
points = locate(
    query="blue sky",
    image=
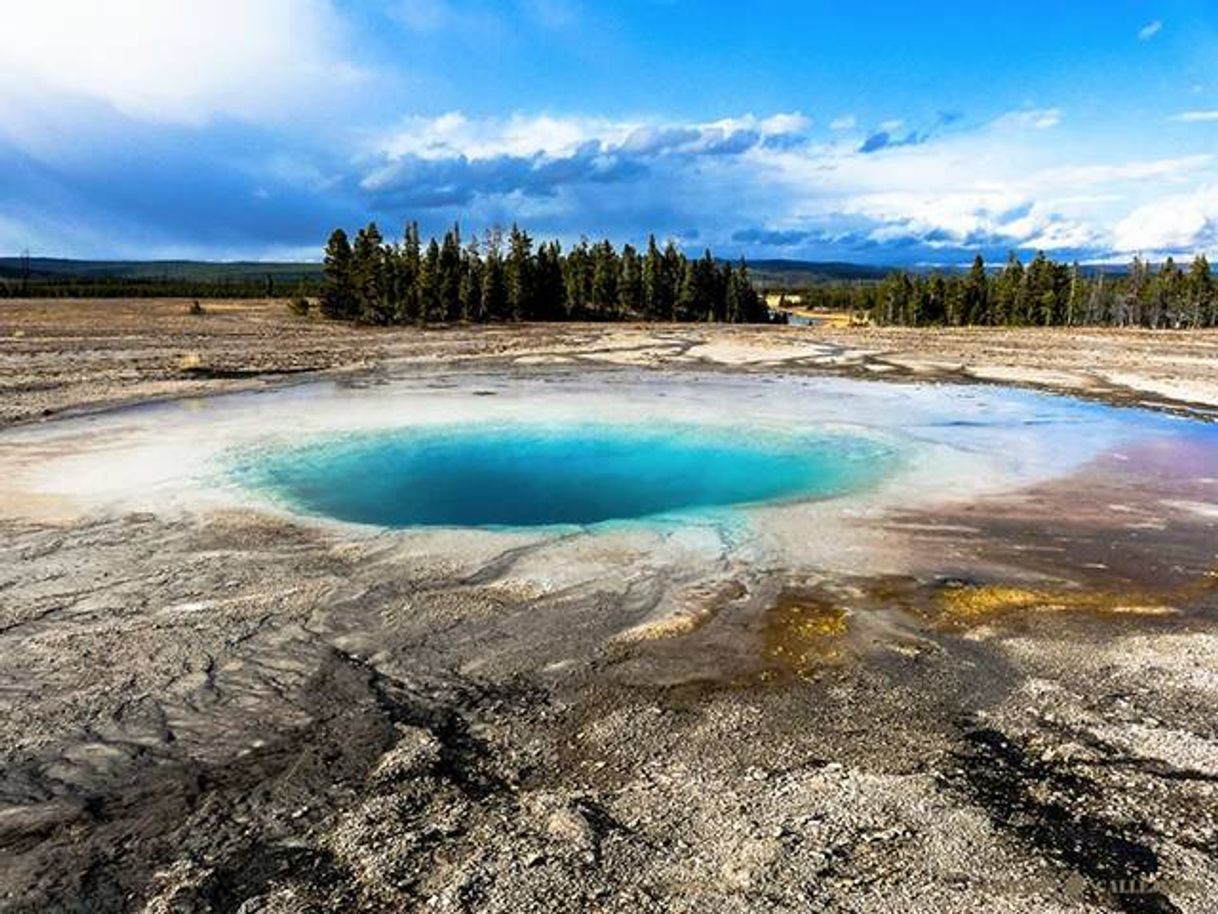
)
(881, 132)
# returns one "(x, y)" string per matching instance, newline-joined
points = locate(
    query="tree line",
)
(1042, 292)
(507, 277)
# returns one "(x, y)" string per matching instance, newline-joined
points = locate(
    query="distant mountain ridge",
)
(769, 272)
(803, 272)
(190, 270)
(778, 272)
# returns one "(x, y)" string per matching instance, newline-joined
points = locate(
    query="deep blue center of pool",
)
(522, 476)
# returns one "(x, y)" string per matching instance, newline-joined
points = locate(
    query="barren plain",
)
(1004, 702)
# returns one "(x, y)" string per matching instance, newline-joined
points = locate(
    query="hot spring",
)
(521, 475)
(803, 464)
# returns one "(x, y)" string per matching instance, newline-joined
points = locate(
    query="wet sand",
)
(1003, 703)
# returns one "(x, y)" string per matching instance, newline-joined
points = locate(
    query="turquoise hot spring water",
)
(519, 475)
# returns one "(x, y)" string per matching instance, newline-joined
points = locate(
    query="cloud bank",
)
(172, 62)
(775, 185)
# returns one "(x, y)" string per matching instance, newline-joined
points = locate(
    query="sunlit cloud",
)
(1195, 117)
(930, 195)
(1180, 223)
(452, 159)
(1033, 118)
(187, 65)
(1150, 30)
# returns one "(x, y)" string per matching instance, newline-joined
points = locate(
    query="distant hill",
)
(772, 273)
(776, 273)
(44, 268)
(795, 273)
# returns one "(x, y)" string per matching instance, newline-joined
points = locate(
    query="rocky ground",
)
(233, 712)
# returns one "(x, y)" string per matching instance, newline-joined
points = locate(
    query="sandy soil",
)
(232, 711)
(69, 355)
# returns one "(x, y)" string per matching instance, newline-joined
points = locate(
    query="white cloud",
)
(953, 216)
(994, 186)
(171, 60)
(1168, 170)
(998, 185)
(784, 124)
(1195, 117)
(1150, 30)
(454, 134)
(454, 160)
(1177, 223)
(1030, 118)
(845, 122)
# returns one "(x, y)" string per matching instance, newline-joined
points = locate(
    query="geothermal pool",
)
(528, 475)
(792, 458)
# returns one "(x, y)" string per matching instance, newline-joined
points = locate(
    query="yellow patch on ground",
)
(836, 320)
(189, 361)
(963, 604)
(802, 632)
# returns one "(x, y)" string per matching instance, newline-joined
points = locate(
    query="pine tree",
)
(655, 306)
(577, 278)
(470, 291)
(1132, 303)
(448, 270)
(687, 293)
(338, 288)
(717, 280)
(409, 267)
(631, 285)
(494, 291)
(891, 303)
(935, 309)
(430, 307)
(753, 308)
(605, 271)
(369, 276)
(1037, 292)
(1169, 296)
(732, 306)
(1007, 289)
(518, 274)
(672, 275)
(976, 297)
(551, 288)
(1203, 304)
